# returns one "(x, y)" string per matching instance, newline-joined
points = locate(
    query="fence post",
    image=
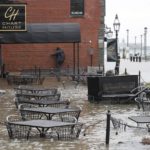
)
(139, 78)
(108, 127)
(35, 70)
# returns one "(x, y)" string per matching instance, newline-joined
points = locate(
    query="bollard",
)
(125, 72)
(139, 58)
(139, 78)
(108, 127)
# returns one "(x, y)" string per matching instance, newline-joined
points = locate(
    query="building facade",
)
(88, 13)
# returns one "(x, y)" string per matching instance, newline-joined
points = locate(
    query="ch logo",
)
(11, 13)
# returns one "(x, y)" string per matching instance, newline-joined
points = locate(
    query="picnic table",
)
(63, 114)
(42, 126)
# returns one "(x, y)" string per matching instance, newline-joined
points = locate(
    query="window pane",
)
(77, 7)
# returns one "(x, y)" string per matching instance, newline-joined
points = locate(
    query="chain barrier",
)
(91, 126)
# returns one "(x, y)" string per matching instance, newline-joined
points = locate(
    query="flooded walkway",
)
(93, 116)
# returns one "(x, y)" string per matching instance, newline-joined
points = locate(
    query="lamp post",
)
(116, 25)
(135, 47)
(141, 45)
(127, 37)
(145, 43)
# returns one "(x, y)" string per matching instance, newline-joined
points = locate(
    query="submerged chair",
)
(42, 103)
(142, 102)
(29, 115)
(15, 130)
(68, 116)
(68, 132)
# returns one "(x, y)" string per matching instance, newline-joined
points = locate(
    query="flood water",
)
(93, 116)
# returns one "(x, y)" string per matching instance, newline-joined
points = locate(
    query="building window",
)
(77, 8)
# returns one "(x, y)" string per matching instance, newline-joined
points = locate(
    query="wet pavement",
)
(93, 116)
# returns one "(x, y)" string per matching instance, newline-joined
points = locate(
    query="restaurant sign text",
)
(12, 17)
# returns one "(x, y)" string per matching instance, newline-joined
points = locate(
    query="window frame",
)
(77, 12)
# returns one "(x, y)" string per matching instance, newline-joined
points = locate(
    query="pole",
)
(74, 59)
(1, 61)
(139, 78)
(145, 42)
(141, 46)
(78, 61)
(127, 37)
(135, 47)
(117, 61)
(108, 127)
(91, 60)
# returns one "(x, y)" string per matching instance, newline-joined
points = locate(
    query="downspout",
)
(101, 35)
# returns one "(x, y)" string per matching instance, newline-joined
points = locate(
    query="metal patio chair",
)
(143, 102)
(42, 103)
(68, 116)
(15, 130)
(69, 132)
(29, 115)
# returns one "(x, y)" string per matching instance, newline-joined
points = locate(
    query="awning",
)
(44, 33)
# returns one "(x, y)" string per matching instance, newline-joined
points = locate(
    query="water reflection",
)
(94, 118)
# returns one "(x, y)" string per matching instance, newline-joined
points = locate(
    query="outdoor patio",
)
(93, 117)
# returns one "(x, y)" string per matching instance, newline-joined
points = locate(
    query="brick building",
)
(88, 13)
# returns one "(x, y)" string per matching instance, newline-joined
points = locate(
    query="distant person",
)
(59, 56)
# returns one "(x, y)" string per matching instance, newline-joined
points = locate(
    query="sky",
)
(133, 15)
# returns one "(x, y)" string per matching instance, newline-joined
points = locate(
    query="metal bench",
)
(129, 96)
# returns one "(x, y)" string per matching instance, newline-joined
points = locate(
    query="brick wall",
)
(21, 56)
